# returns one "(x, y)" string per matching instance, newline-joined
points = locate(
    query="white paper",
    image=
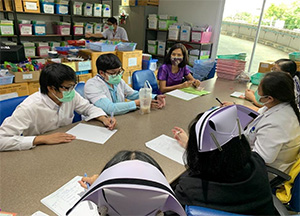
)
(39, 213)
(91, 133)
(65, 197)
(132, 62)
(27, 76)
(238, 94)
(168, 147)
(182, 95)
(31, 6)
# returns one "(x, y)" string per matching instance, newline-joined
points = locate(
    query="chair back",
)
(202, 211)
(7, 107)
(139, 77)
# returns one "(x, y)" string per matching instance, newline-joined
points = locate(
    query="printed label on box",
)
(196, 36)
(7, 30)
(63, 9)
(31, 5)
(78, 30)
(27, 76)
(26, 30)
(44, 52)
(264, 65)
(65, 31)
(48, 8)
(40, 29)
(29, 52)
(132, 62)
(85, 65)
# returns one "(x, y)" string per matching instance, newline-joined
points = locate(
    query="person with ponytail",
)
(275, 133)
(172, 73)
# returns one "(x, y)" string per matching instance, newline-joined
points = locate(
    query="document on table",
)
(39, 213)
(168, 147)
(238, 95)
(91, 133)
(65, 198)
(182, 95)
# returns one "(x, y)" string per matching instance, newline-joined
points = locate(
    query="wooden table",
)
(29, 176)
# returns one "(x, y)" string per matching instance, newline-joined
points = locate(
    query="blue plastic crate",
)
(49, 6)
(62, 9)
(102, 47)
(35, 26)
(82, 72)
(124, 46)
(8, 79)
(149, 64)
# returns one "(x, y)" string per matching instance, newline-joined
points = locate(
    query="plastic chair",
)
(80, 89)
(139, 77)
(8, 106)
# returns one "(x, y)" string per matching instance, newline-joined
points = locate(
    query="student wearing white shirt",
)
(108, 90)
(47, 110)
(114, 32)
(275, 133)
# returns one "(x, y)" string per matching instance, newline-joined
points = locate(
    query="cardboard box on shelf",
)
(32, 6)
(128, 2)
(19, 5)
(13, 90)
(33, 87)
(84, 77)
(89, 54)
(31, 76)
(265, 66)
(131, 59)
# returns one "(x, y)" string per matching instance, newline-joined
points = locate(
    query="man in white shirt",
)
(47, 110)
(114, 32)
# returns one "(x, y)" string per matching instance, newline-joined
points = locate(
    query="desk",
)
(29, 176)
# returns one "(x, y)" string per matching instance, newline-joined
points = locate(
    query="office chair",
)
(8, 106)
(80, 89)
(139, 77)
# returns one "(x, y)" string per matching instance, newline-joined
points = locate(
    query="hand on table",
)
(187, 84)
(196, 83)
(159, 103)
(249, 95)
(227, 103)
(54, 138)
(110, 123)
(181, 136)
(89, 180)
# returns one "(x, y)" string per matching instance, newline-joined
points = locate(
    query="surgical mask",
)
(176, 61)
(67, 96)
(111, 27)
(258, 97)
(114, 79)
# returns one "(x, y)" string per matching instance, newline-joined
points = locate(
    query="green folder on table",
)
(192, 90)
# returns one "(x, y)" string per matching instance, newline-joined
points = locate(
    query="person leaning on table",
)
(108, 90)
(47, 110)
(114, 32)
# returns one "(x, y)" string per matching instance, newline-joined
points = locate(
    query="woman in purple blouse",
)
(174, 69)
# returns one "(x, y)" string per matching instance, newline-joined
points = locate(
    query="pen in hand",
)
(219, 101)
(111, 117)
(87, 184)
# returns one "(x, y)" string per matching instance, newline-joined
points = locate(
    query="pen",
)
(219, 101)
(87, 184)
(111, 117)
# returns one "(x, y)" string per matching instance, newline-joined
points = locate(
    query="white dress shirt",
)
(275, 134)
(120, 34)
(38, 114)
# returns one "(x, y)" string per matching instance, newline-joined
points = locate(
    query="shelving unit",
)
(150, 36)
(62, 17)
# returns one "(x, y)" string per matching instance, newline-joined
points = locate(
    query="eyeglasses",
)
(121, 71)
(69, 89)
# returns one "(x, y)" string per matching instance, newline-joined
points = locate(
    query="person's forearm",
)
(170, 88)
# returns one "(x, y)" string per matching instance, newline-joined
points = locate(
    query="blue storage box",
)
(7, 79)
(48, 7)
(102, 47)
(126, 46)
(39, 29)
(62, 9)
(82, 72)
(149, 64)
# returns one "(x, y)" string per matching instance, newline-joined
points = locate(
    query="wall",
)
(284, 40)
(197, 12)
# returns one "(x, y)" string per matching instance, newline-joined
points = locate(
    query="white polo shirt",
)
(119, 34)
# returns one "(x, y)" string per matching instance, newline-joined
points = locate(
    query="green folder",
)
(192, 90)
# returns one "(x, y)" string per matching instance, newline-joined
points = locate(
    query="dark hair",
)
(220, 166)
(184, 52)
(280, 86)
(112, 20)
(132, 155)
(55, 74)
(107, 62)
(287, 65)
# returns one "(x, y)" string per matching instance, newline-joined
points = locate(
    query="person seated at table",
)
(114, 32)
(108, 90)
(174, 70)
(275, 133)
(131, 183)
(222, 172)
(50, 108)
(283, 65)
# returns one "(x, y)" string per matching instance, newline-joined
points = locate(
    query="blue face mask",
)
(258, 98)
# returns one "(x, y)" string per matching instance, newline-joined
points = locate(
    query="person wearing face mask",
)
(108, 90)
(283, 65)
(174, 70)
(114, 32)
(50, 108)
(275, 133)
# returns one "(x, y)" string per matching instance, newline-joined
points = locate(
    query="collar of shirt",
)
(49, 102)
(266, 112)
